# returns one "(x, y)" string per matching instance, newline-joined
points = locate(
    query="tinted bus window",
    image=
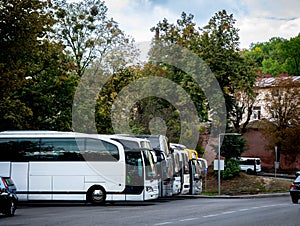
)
(149, 165)
(57, 149)
(98, 150)
(19, 149)
(154, 142)
(127, 144)
(61, 149)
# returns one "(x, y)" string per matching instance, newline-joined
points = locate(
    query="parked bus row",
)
(51, 165)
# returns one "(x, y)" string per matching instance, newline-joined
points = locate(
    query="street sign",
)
(216, 165)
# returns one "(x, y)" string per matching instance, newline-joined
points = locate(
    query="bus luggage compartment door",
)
(19, 174)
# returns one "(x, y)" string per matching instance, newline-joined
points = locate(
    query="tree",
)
(290, 51)
(99, 49)
(217, 44)
(283, 107)
(108, 94)
(236, 75)
(185, 34)
(276, 56)
(23, 32)
(50, 93)
(35, 75)
(23, 28)
(88, 35)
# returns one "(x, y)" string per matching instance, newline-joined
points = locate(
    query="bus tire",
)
(96, 195)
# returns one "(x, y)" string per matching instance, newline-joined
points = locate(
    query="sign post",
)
(276, 164)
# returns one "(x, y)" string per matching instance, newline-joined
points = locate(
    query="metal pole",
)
(219, 171)
(275, 160)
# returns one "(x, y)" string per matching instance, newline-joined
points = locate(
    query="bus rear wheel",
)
(96, 195)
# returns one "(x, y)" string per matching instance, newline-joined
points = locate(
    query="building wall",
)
(257, 147)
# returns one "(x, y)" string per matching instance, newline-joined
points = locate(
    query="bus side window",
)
(19, 149)
(99, 150)
(61, 149)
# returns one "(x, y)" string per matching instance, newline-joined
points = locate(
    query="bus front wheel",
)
(96, 195)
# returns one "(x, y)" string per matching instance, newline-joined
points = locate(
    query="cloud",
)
(253, 30)
(257, 20)
(137, 17)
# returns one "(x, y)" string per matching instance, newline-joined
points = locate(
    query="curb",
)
(269, 195)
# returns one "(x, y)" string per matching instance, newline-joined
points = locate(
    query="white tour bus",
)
(50, 165)
(202, 164)
(181, 173)
(159, 144)
(133, 144)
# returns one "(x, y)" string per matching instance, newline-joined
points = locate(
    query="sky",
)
(257, 20)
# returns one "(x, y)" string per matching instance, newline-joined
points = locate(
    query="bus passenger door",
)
(134, 176)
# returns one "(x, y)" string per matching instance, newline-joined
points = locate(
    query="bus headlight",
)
(149, 189)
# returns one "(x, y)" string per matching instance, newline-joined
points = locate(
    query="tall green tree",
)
(220, 50)
(50, 93)
(99, 49)
(290, 51)
(23, 30)
(36, 77)
(217, 44)
(276, 56)
(185, 34)
(90, 37)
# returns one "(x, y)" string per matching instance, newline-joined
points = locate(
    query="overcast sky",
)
(258, 20)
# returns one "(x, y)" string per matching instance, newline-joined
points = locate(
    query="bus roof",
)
(40, 133)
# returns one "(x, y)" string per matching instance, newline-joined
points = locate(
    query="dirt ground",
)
(245, 184)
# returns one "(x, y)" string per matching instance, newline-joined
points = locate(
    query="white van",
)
(247, 165)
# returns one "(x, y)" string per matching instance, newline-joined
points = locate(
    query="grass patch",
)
(244, 184)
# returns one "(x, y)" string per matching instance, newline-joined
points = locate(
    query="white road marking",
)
(223, 213)
(190, 219)
(228, 212)
(164, 223)
(211, 215)
(243, 210)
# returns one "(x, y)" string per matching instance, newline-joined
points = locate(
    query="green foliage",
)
(24, 25)
(217, 44)
(14, 115)
(35, 74)
(277, 56)
(185, 34)
(233, 146)
(100, 50)
(232, 169)
(109, 93)
(290, 51)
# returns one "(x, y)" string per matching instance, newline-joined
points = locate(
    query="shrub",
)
(232, 169)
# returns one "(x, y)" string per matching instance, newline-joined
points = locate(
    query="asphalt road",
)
(176, 211)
